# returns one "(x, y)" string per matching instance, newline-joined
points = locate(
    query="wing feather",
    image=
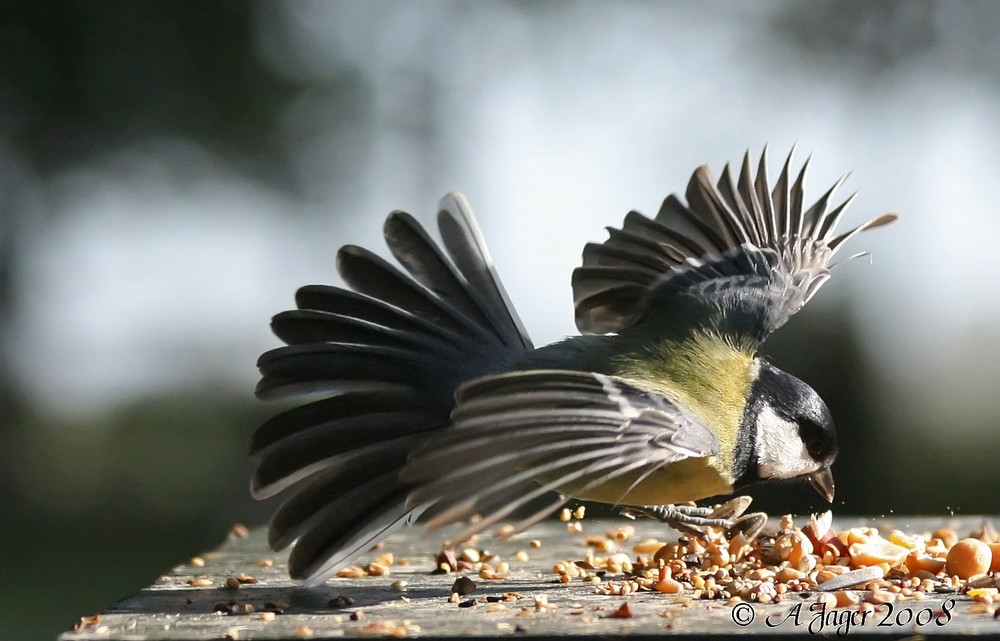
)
(741, 247)
(565, 430)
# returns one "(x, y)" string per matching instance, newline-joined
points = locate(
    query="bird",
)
(425, 396)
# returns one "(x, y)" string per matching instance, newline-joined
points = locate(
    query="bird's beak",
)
(822, 480)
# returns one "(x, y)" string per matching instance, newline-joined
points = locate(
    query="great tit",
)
(435, 402)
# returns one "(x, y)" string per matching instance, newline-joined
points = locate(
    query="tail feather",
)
(295, 457)
(298, 326)
(328, 411)
(388, 356)
(329, 366)
(360, 516)
(369, 274)
(414, 249)
(307, 505)
(326, 494)
(464, 240)
(344, 302)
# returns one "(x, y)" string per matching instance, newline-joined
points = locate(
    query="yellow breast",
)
(687, 480)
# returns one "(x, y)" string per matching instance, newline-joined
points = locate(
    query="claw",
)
(693, 520)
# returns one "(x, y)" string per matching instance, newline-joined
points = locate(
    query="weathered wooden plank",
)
(174, 609)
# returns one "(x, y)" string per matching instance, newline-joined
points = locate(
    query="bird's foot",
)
(692, 519)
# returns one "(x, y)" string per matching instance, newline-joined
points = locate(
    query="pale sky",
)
(164, 264)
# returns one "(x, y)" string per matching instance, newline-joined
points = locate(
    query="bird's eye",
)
(816, 448)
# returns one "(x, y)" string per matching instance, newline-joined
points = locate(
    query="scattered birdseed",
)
(240, 531)
(445, 561)
(790, 562)
(463, 585)
(352, 572)
(968, 557)
(565, 515)
(233, 608)
(264, 563)
(340, 601)
(399, 585)
(232, 584)
(984, 608)
(387, 629)
(197, 562)
(85, 622)
(303, 631)
(850, 579)
(623, 612)
(983, 595)
(620, 534)
(200, 582)
(827, 600)
(467, 604)
(648, 546)
(878, 597)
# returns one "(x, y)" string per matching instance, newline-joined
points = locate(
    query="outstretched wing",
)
(744, 248)
(518, 436)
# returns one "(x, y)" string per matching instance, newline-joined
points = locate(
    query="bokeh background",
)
(171, 171)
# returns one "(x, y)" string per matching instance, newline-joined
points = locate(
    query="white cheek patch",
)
(781, 453)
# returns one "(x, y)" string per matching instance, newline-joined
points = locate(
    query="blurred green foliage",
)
(94, 511)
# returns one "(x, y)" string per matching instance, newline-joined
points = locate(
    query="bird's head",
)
(789, 431)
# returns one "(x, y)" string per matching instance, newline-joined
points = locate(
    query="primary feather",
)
(731, 237)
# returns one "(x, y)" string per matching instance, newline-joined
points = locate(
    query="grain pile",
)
(851, 567)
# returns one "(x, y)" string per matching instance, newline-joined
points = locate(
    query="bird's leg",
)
(693, 520)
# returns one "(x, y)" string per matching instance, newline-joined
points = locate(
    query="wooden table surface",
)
(174, 609)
